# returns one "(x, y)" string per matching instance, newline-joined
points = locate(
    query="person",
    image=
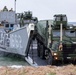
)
(5, 8)
(11, 9)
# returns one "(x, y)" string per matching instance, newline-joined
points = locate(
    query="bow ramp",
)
(16, 41)
(35, 55)
(21, 41)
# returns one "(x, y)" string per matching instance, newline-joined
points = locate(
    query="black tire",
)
(38, 49)
(50, 59)
(42, 52)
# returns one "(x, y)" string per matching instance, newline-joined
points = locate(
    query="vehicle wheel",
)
(50, 59)
(42, 52)
(38, 49)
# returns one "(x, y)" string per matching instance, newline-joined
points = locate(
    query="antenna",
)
(15, 6)
(15, 10)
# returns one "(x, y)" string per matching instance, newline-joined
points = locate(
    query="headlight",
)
(55, 54)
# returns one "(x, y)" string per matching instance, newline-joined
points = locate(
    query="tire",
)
(50, 59)
(38, 50)
(42, 52)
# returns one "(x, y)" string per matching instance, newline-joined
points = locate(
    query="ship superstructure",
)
(7, 19)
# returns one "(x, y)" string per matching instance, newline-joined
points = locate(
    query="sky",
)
(43, 9)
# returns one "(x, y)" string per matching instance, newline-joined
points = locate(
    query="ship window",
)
(11, 25)
(70, 34)
(6, 25)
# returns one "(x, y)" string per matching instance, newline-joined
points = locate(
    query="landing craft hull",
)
(17, 40)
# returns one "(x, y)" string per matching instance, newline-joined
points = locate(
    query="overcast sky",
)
(44, 9)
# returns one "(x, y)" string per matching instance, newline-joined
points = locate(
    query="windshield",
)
(70, 34)
(56, 33)
(58, 18)
(55, 46)
(63, 18)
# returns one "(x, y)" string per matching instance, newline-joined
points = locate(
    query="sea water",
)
(7, 59)
(12, 60)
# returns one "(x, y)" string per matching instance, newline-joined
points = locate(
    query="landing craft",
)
(55, 39)
(14, 37)
(19, 38)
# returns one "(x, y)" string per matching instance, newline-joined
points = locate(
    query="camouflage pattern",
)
(68, 39)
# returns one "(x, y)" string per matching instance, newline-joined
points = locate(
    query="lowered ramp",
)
(16, 41)
(21, 42)
(33, 58)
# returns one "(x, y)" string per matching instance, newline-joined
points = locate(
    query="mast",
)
(15, 10)
(15, 6)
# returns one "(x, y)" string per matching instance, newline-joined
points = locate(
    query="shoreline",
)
(41, 70)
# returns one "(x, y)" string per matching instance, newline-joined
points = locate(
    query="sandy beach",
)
(41, 70)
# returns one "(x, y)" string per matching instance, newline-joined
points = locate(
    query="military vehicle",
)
(63, 40)
(59, 38)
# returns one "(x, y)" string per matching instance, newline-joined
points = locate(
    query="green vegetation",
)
(51, 74)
